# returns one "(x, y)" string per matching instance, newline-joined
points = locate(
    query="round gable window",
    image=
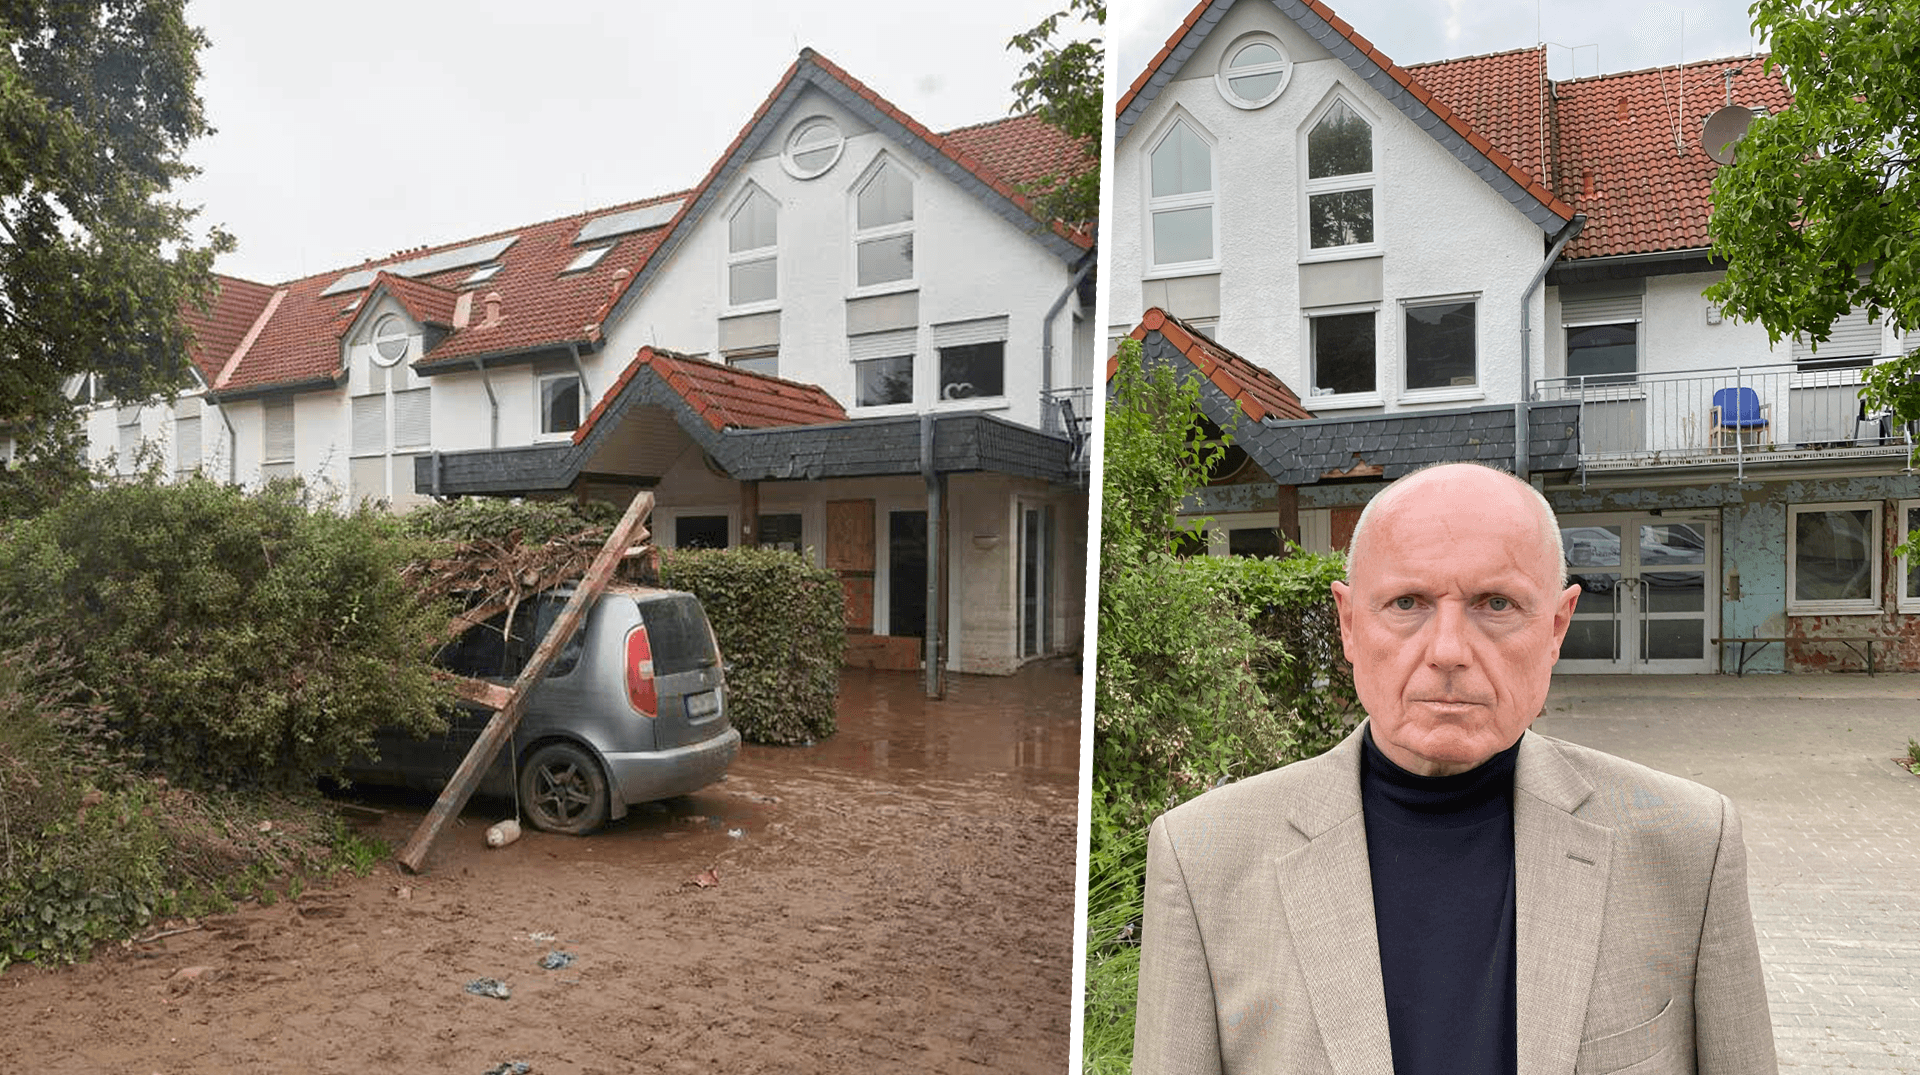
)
(389, 340)
(1256, 69)
(813, 147)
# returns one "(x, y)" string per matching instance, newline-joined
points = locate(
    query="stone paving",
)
(1832, 829)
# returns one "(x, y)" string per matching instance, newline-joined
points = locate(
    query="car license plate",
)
(704, 704)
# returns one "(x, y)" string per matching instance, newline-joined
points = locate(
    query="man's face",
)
(1453, 619)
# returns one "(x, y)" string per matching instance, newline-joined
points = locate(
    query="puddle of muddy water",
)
(1026, 725)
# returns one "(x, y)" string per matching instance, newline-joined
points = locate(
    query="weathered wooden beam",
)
(478, 691)
(630, 530)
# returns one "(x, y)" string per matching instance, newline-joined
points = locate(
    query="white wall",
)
(1441, 229)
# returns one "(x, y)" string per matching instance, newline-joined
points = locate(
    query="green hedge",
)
(234, 639)
(782, 630)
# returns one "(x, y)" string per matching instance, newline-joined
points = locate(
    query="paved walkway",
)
(1832, 829)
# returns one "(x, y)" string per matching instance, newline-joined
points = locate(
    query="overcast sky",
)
(352, 129)
(1630, 34)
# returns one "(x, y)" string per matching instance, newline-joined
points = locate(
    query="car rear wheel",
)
(562, 790)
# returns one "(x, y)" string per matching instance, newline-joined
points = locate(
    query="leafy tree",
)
(97, 104)
(1821, 211)
(1062, 82)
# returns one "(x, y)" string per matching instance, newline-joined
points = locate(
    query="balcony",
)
(1730, 417)
(1067, 413)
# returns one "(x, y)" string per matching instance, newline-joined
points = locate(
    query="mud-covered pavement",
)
(896, 899)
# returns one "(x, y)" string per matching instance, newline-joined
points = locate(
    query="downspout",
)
(233, 442)
(493, 406)
(586, 401)
(1521, 431)
(1046, 324)
(932, 479)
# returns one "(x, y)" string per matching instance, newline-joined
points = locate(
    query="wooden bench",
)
(1761, 642)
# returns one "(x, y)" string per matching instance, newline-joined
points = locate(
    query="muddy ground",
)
(896, 899)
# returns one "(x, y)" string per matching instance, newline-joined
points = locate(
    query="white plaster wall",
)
(968, 263)
(1441, 229)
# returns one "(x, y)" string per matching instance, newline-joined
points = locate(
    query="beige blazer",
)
(1635, 944)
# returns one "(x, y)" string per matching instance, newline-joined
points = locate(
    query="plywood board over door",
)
(850, 554)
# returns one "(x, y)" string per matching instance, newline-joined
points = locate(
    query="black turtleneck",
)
(1441, 853)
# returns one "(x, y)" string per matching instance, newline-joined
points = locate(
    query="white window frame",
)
(916, 352)
(389, 328)
(668, 537)
(972, 403)
(1334, 184)
(1869, 606)
(750, 257)
(1206, 199)
(540, 432)
(1906, 603)
(786, 149)
(861, 235)
(1284, 67)
(1449, 393)
(1339, 400)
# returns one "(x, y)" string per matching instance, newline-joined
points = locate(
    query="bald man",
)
(1445, 891)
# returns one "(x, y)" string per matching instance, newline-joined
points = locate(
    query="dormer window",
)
(1340, 180)
(753, 238)
(390, 339)
(813, 148)
(1256, 69)
(1180, 199)
(883, 227)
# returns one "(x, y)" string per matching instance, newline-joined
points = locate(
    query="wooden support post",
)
(631, 529)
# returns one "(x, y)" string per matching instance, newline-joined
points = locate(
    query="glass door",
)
(1645, 602)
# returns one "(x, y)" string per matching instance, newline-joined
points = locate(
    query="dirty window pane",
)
(881, 381)
(1591, 640)
(1343, 353)
(1440, 343)
(1591, 546)
(1340, 144)
(1833, 555)
(1672, 543)
(1595, 350)
(1342, 218)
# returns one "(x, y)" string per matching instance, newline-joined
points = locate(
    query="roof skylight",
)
(628, 221)
(482, 274)
(587, 259)
(457, 258)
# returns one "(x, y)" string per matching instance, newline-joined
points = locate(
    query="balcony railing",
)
(1729, 416)
(1068, 413)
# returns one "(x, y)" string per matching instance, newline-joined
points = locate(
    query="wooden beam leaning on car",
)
(508, 703)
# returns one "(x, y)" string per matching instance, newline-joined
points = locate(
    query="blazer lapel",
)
(1327, 891)
(1560, 864)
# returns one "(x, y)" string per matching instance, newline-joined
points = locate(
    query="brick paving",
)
(1832, 829)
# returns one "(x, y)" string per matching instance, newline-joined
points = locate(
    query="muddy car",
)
(633, 710)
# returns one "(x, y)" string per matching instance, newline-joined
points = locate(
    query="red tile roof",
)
(540, 307)
(1461, 124)
(1260, 393)
(725, 397)
(1502, 95)
(1617, 161)
(232, 309)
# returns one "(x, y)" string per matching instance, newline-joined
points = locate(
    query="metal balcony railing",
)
(1728, 416)
(1068, 413)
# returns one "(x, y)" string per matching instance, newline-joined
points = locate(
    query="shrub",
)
(530, 522)
(782, 629)
(1208, 670)
(234, 638)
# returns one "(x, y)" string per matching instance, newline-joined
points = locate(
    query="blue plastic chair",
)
(1736, 410)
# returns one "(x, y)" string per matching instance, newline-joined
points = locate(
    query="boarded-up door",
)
(850, 555)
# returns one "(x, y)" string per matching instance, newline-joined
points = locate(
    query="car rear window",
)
(677, 633)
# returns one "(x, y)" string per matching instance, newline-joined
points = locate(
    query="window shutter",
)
(883, 344)
(962, 333)
(1605, 311)
(1853, 336)
(278, 422)
(412, 418)
(186, 443)
(369, 424)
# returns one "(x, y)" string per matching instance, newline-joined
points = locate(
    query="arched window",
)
(1340, 180)
(1180, 198)
(883, 226)
(753, 248)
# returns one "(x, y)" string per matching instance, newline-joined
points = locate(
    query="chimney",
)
(493, 309)
(463, 310)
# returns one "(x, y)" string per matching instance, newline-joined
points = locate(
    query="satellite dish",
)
(1723, 132)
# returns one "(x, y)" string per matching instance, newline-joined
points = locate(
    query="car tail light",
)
(640, 689)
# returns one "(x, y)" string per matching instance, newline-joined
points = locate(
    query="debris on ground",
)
(706, 878)
(509, 1067)
(503, 833)
(489, 987)
(556, 960)
(738, 834)
(543, 938)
